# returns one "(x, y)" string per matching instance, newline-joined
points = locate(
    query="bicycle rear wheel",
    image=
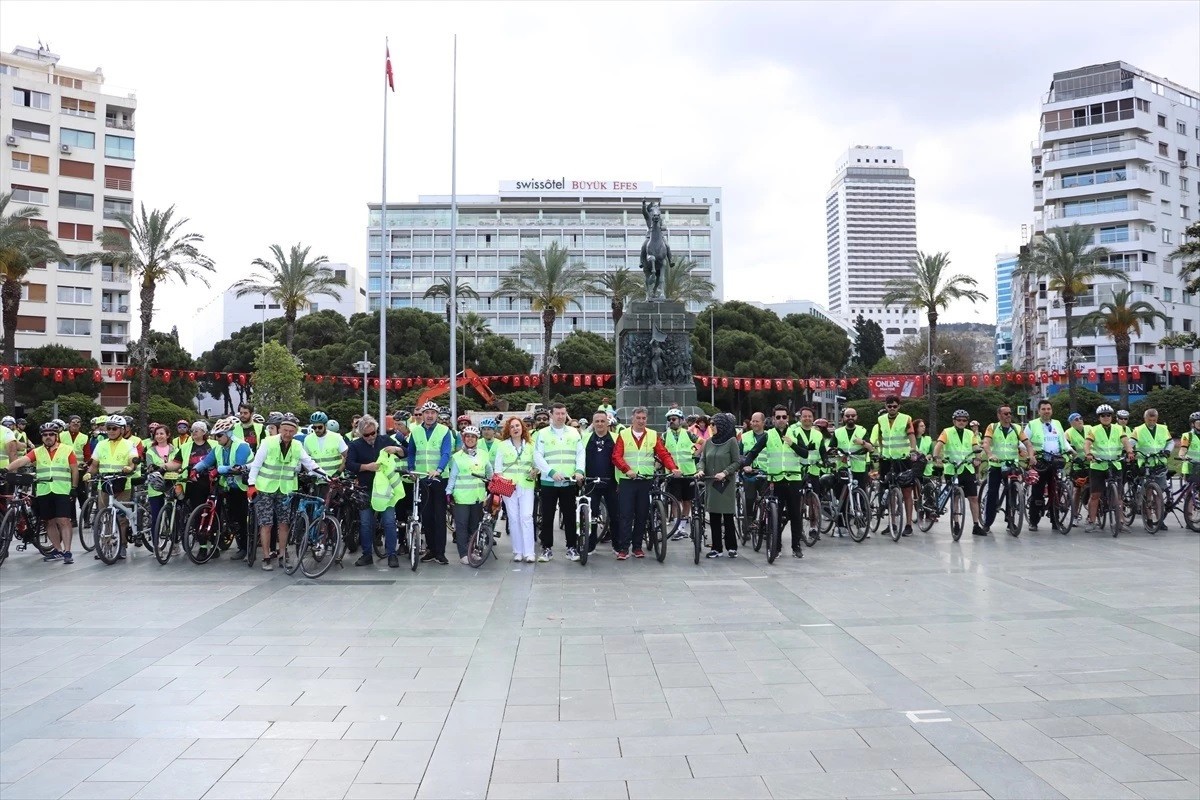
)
(87, 518)
(481, 543)
(672, 515)
(877, 507)
(895, 512)
(829, 509)
(739, 512)
(810, 513)
(1191, 508)
(163, 535)
(772, 534)
(377, 540)
(107, 535)
(298, 533)
(1152, 507)
(958, 512)
(926, 509)
(857, 514)
(320, 547)
(414, 542)
(1129, 503)
(1065, 502)
(656, 529)
(697, 532)
(1112, 510)
(7, 526)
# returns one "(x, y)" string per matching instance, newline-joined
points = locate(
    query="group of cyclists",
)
(539, 464)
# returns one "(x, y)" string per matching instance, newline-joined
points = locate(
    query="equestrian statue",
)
(656, 254)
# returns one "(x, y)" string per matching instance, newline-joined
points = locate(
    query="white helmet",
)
(470, 430)
(1104, 408)
(222, 426)
(430, 406)
(8, 422)
(115, 419)
(674, 412)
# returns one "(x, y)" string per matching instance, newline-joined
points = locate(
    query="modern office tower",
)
(1006, 264)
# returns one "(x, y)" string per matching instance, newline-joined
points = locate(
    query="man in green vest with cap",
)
(1004, 441)
(851, 439)
(273, 478)
(1150, 439)
(470, 469)
(429, 450)
(326, 447)
(1048, 442)
(785, 452)
(57, 474)
(959, 445)
(683, 445)
(896, 441)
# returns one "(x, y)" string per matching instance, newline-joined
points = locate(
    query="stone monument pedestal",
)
(654, 360)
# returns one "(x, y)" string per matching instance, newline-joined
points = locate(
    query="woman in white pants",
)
(514, 460)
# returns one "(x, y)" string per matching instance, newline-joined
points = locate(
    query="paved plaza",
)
(1039, 667)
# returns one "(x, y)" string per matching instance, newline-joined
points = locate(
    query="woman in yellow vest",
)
(57, 474)
(514, 460)
(469, 472)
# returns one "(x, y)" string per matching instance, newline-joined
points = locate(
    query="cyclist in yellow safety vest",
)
(1047, 441)
(851, 439)
(1150, 439)
(326, 447)
(784, 453)
(960, 445)
(1004, 441)
(752, 437)
(248, 429)
(57, 474)
(1189, 450)
(684, 446)
(470, 469)
(1105, 442)
(429, 450)
(10, 448)
(558, 456)
(115, 455)
(273, 478)
(896, 442)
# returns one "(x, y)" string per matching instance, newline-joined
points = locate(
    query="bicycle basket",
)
(24, 479)
(501, 485)
(906, 478)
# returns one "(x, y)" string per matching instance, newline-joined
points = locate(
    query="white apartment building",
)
(69, 151)
(253, 309)
(598, 221)
(812, 309)
(1118, 151)
(871, 236)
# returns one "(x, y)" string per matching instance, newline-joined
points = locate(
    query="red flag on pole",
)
(388, 68)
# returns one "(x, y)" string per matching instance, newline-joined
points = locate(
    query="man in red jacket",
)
(634, 454)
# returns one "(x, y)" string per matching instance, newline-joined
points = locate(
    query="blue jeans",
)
(366, 530)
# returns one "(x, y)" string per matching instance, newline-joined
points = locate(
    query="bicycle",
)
(342, 501)
(852, 504)
(657, 521)
(590, 528)
(891, 494)
(1148, 493)
(1185, 500)
(318, 540)
(415, 536)
(168, 531)
(204, 526)
(765, 525)
(482, 544)
(19, 521)
(1058, 496)
(106, 531)
(925, 498)
(1109, 511)
(1013, 495)
(953, 495)
(87, 514)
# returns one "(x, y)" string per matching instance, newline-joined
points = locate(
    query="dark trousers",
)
(236, 507)
(789, 493)
(715, 521)
(553, 498)
(995, 478)
(1038, 492)
(156, 504)
(750, 492)
(404, 507)
(467, 517)
(366, 530)
(633, 501)
(606, 494)
(433, 515)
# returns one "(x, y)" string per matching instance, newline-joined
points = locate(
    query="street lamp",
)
(365, 368)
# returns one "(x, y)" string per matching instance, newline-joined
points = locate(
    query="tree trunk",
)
(11, 294)
(147, 314)
(931, 427)
(1122, 342)
(289, 321)
(548, 317)
(618, 310)
(1068, 301)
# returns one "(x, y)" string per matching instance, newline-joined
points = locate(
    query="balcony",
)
(1080, 155)
(114, 338)
(118, 123)
(1056, 217)
(119, 184)
(111, 275)
(114, 308)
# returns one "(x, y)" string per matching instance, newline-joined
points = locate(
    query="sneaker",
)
(797, 552)
(547, 554)
(175, 550)
(733, 554)
(364, 561)
(266, 565)
(529, 559)
(393, 562)
(466, 562)
(622, 555)
(572, 554)
(1162, 526)
(907, 531)
(240, 555)
(429, 556)
(121, 554)
(67, 558)
(978, 531)
(441, 561)
(841, 533)
(639, 552)
(517, 557)
(53, 555)
(714, 554)
(1033, 527)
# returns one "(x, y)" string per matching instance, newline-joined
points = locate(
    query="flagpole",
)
(385, 256)
(454, 240)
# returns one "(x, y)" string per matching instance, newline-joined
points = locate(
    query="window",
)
(1187, 325)
(74, 266)
(77, 200)
(33, 195)
(27, 162)
(1185, 212)
(1164, 150)
(1168, 295)
(119, 178)
(74, 327)
(1114, 233)
(75, 295)
(75, 107)
(74, 138)
(1162, 120)
(118, 147)
(1182, 156)
(1165, 207)
(31, 99)
(31, 130)
(1069, 180)
(72, 231)
(1164, 178)
(1143, 105)
(1181, 128)
(1104, 205)
(31, 324)
(70, 83)
(76, 169)
(1183, 184)
(114, 206)
(1166, 236)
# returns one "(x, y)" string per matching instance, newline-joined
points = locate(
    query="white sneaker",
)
(546, 555)
(464, 561)
(572, 554)
(517, 557)
(529, 559)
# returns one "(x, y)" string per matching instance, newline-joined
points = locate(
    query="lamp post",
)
(365, 368)
(712, 354)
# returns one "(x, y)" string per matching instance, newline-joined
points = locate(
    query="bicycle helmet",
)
(486, 423)
(1074, 416)
(318, 418)
(470, 430)
(822, 423)
(674, 412)
(444, 416)
(1195, 417)
(56, 422)
(8, 422)
(290, 419)
(23, 421)
(1122, 414)
(961, 414)
(401, 416)
(115, 420)
(98, 421)
(152, 427)
(48, 427)
(156, 482)
(181, 423)
(583, 423)
(1104, 408)
(334, 426)
(200, 425)
(257, 418)
(222, 427)
(429, 405)
(74, 418)
(274, 418)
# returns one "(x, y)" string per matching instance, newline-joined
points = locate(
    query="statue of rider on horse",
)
(656, 254)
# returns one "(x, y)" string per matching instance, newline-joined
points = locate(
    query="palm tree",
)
(473, 327)
(1119, 318)
(293, 281)
(929, 286)
(684, 286)
(619, 286)
(1070, 264)
(442, 289)
(23, 245)
(1188, 255)
(550, 282)
(152, 249)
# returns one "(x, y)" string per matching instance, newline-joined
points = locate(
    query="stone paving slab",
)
(1043, 666)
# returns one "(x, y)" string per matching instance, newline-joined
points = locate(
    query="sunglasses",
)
(112, 428)
(369, 435)
(893, 406)
(781, 416)
(1105, 415)
(49, 433)
(318, 427)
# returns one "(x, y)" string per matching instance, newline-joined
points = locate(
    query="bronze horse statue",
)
(656, 254)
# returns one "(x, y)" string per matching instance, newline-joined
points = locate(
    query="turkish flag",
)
(1121, 373)
(791, 384)
(5, 373)
(191, 375)
(166, 376)
(974, 380)
(960, 380)
(1137, 372)
(737, 383)
(70, 374)
(704, 382)
(58, 376)
(1018, 377)
(587, 380)
(1108, 373)
(154, 373)
(242, 378)
(1174, 367)
(387, 67)
(842, 383)
(577, 381)
(119, 374)
(724, 383)
(96, 375)
(1091, 374)
(356, 382)
(1187, 368)
(554, 378)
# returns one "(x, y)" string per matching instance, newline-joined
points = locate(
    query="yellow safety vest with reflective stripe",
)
(1036, 431)
(113, 456)
(783, 463)
(639, 459)
(681, 447)
(77, 444)
(925, 447)
(224, 457)
(6, 436)
(892, 436)
(1190, 440)
(516, 465)
(559, 452)
(57, 468)
(387, 488)
(277, 475)
(958, 446)
(1147, 443)
(1005, 446)
(1105, 445)
(845, 442)
(467, 487)
(813, 438)
(428, 447)
(1076, 439)
(154, 460)
(325, 451)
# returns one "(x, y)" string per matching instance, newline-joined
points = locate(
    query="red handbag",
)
(500, 485)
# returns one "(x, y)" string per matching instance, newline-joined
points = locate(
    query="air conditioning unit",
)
(65, 149)
(1151, 228)
(1183, 163)
(10, 140)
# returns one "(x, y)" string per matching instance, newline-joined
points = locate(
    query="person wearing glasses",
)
(112, 455)
(851, 439)
(57, 472)
(326, 447)
(362, 460)
(896, 440)
(1003, 441)
(785, 450)
(1105, 442)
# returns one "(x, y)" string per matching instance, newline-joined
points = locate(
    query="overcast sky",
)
(261, 120)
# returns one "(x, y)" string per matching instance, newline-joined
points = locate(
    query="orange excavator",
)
(468, 377)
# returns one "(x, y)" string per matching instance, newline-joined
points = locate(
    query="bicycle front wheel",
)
(87, 518)
(739, 512)
(320, 546)
(810, 518)
(895, 512)
(877, 507)
(298, 535)
(772, 534)
(926, 506)
(1191, 508)
(656, 529)
(958, 512)
(414, 542)
(199, 539)
(828, 512)
(672, 515)
(1152, 507)
(1065, 502)
(7, 525)
(857, 515)
(1113, 512)
(163, 534)
(107, 534)
(697, 532)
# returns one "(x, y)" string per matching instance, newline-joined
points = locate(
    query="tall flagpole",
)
(385, 255)
(454, 240)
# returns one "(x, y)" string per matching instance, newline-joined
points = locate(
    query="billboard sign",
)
(906, 387)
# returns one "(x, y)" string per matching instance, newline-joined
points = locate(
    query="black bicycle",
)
(764, 522)
(657, 522)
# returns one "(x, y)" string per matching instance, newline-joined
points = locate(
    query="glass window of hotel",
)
(75, 295)
(28, 98)
(77, 200)
(75, 107)
(465, 241)
(441, 241)
(27, 162)
(401, 240)
(531, 241)
(422, 241)
(74, 138)
(115, 205)
(509, 241)
(31, 195)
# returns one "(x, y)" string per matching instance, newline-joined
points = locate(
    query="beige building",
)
(69, 151)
